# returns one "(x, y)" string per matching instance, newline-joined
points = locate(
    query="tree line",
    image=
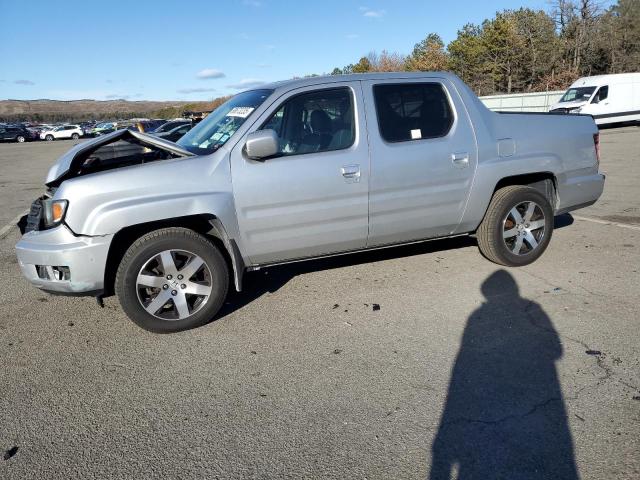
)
(527, 50)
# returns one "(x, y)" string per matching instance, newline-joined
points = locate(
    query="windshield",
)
(222, 123)
(578, 93)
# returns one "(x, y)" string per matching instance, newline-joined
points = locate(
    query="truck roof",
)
(308, 81)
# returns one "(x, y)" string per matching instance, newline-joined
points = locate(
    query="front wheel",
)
(172, 279)
(20, 139)
(517, 227)
(49, 138)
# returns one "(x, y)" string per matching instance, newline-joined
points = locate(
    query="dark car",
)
(167, 127)
(175, 134)
(87, 127)
(149, 126)
(16, 134)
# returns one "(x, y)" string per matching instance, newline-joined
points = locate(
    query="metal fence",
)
(522, 102)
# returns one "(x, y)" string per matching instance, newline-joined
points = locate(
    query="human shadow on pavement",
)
(504, 416)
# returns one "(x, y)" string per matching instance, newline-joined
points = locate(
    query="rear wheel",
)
(20, 139)
(172, 279)
(49, 138)
(517, 227)
(75, 136)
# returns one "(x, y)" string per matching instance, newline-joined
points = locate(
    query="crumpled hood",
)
(80, 152)
(573, 104)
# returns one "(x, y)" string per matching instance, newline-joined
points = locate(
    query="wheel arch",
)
(205, 224)
(545, 182)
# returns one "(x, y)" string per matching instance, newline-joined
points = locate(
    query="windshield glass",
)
(578, 93)
(222, 123)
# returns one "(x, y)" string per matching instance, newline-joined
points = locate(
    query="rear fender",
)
(490, 174)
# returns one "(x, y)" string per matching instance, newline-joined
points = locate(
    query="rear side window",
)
(318, 121)
(412, 111)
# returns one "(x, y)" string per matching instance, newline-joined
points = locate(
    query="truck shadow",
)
(271, 279)
(504, 415)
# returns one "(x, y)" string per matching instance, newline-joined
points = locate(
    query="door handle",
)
(351, 173)
(460, 159)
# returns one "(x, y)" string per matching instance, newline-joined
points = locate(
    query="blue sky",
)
(198, 50)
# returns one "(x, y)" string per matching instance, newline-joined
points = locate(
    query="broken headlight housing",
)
(54, 211)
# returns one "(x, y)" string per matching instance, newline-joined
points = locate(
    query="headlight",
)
(54, 211)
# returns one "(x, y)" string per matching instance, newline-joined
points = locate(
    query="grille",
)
(34, 218)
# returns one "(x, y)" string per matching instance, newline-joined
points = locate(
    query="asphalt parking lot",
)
(412, 362)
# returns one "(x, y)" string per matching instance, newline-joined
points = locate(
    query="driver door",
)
(312, 198)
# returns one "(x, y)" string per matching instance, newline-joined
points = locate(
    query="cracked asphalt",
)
(465, 370)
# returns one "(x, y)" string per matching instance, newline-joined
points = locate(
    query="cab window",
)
(601, 95)
(317, 121)
(412, 111)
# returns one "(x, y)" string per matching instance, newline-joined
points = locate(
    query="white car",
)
(64, 131)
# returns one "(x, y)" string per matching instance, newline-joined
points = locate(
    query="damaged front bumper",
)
(58, 261)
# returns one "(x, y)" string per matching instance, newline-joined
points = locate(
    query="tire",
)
(20, 139)
(512, 232)
(151, 297)
(49, 138)
(75, 136)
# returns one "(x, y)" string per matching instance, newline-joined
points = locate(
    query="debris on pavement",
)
(10, 453)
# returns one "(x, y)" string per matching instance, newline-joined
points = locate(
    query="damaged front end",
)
(118, 149)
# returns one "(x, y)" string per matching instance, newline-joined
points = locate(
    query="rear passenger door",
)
(423, 158)
(312, 198)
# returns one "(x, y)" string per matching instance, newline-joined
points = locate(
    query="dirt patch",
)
(630, 220)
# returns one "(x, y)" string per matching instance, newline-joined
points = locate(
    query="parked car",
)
(104, 128)
(168, 126)
(297, 170)
(18, 134)
(607, 98)
(87, 128)
(176, 133)
(61, 132)
(148, 126)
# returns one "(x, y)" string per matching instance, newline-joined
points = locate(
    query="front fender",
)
(116, 214)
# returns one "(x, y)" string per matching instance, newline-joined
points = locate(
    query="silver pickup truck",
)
(297, 170)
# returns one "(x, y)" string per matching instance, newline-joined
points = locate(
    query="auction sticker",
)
(242, 112)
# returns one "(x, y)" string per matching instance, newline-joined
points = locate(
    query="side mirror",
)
(262, 144)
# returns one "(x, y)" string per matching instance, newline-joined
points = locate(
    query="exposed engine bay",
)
(119, 149)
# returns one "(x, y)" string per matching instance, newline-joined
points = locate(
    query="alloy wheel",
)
(174, 284)
(523, 228)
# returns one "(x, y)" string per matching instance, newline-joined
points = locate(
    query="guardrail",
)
(522, 102)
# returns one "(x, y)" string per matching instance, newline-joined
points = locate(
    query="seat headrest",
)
(320, 122)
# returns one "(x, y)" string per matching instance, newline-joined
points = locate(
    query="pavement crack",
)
(506, 418)
(600, 358)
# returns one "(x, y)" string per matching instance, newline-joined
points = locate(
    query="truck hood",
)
(74, 158)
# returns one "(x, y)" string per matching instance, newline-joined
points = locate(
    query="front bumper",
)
(56, 260)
